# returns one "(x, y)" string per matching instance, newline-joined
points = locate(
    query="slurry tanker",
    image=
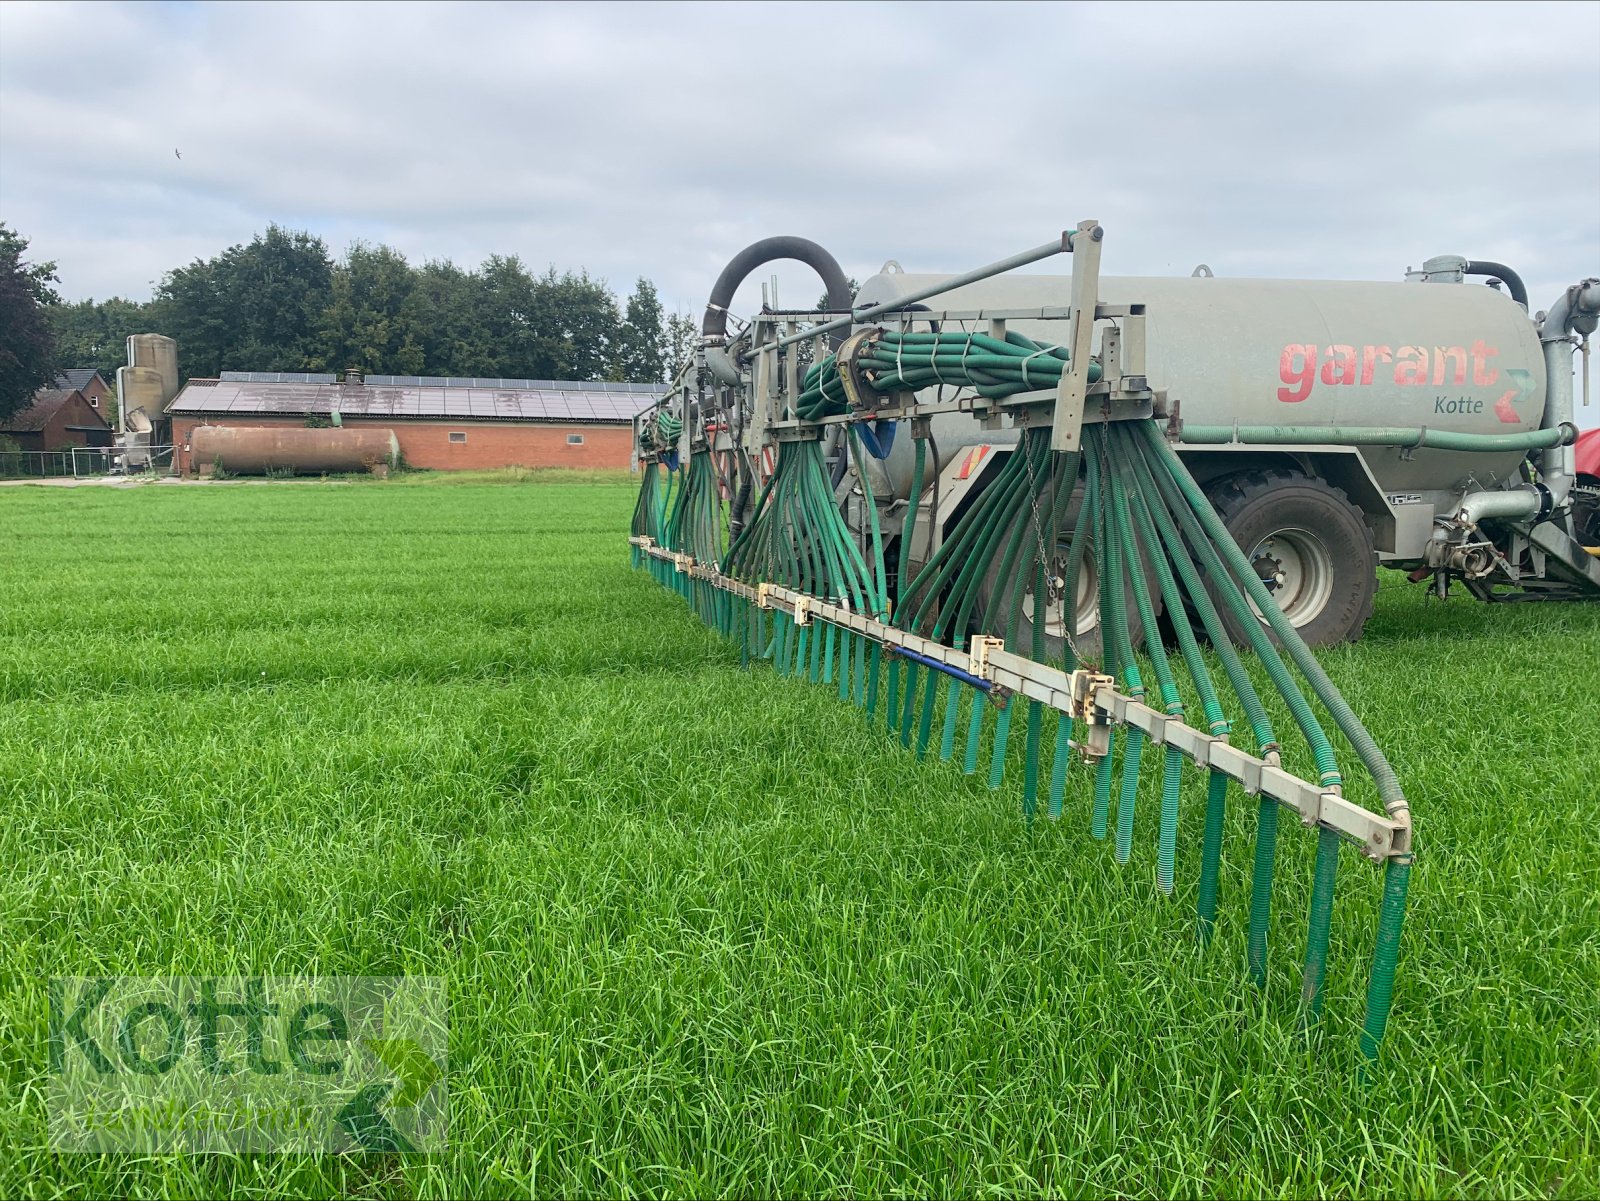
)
(1324, 419)
(1080, 507)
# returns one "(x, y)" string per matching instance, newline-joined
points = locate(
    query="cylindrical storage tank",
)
(159, 354)
(140, 398)
(256, 450)
(1311, 352)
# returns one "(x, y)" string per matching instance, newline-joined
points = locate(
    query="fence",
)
(78, 462)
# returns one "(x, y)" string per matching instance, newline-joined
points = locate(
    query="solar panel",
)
(425, 397)
(278, 377)
(496, 384)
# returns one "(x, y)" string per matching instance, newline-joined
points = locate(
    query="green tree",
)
(572, 326)
(256, 307)
(822, 300)
(680, 342)
(191, 305)
(367, 323)
(27, 348)
(505, 307)
(279, 303)
(641, 348)
(92, 333)
(441, 314)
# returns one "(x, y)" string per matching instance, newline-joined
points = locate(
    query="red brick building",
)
(57, 419)
(447, 425)
(93, 386)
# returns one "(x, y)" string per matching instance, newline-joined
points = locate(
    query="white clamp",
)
(1085, 684)
(978, 652)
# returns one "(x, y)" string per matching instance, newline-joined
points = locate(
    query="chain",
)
(1053, 585)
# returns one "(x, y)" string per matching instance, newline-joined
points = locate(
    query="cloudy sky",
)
(1345, 140)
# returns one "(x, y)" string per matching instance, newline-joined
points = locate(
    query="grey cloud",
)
(1328, 141)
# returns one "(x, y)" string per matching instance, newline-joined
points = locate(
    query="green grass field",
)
(705, 930)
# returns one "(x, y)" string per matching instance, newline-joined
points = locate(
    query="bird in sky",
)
(175, 151)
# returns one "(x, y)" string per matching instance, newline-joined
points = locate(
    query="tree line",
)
(281, 302)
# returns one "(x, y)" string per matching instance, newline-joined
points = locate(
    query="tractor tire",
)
(1086, 642)
(1310, 546)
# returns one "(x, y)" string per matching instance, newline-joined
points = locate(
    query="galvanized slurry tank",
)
(247, 451)
(1313, 413)
(1304, 352)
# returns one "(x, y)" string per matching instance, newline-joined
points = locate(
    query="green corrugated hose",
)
(1146, 518)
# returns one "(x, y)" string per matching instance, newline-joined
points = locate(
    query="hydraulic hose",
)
(893, 362)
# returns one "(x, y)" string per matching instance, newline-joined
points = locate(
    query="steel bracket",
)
(979, 650)
(860, 398)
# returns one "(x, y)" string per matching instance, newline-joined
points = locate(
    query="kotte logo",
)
(257, 1063)
(1303, 365)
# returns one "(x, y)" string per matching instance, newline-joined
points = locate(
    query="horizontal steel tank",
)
(1306, 352)
(256, 450)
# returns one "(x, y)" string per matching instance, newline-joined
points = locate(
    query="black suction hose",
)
(715, 325)
(1499, 271)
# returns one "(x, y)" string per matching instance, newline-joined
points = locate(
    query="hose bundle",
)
(906, 362)
(799, 539)
(650, 511)
(1146, 529)
(1124, 508)
(657, 441)
(694, 527)
(659, 431)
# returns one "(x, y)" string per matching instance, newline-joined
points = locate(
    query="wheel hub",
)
(1088, 597)
(1297, 568)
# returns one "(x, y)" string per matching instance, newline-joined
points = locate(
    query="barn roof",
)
(47, 403)
(461, 400)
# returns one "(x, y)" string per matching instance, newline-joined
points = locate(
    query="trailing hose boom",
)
(972, 521)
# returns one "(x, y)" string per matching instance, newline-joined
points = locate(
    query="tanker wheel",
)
(1086, 640)
(1308, 544)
